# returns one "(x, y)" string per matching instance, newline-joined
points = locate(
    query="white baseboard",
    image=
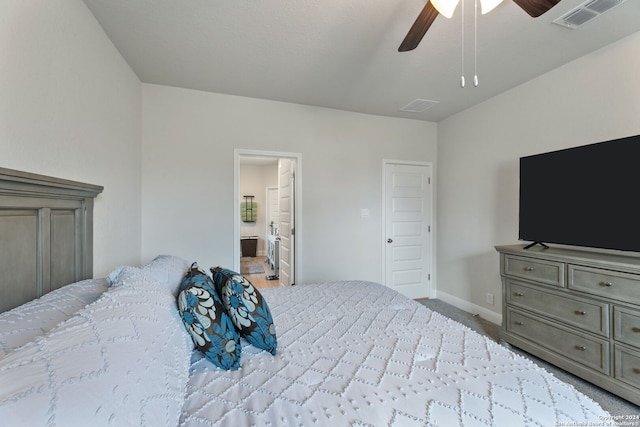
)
(491, 316)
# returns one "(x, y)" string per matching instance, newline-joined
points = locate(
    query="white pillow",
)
(175, 269)
(114, 274)
(122, 360)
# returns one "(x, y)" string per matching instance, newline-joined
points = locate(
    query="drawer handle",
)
(528, 269)
(635, 329)
(519, 323)
(581, 348)
(581, 313)
(607, 284)
(636, 371)
(518, 294)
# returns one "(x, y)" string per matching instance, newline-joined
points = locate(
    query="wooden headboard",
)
(46, 234)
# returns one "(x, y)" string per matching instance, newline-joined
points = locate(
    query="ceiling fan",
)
(433, 8)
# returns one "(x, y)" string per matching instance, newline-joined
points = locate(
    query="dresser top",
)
(586, 257)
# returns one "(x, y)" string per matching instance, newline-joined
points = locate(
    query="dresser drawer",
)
(606, 283)
(543, 271)
(626, 325)
(588, 351)
(592, 316)
(627, 367)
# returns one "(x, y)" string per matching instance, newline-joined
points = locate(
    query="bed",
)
(114, 351)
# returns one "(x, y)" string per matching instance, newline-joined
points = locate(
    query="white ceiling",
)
(343, 53)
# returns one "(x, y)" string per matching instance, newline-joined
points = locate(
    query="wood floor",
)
(259, 280)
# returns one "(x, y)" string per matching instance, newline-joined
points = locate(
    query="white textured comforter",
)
(122, 360)
(37, 317)
(349, 354)
(360, 354)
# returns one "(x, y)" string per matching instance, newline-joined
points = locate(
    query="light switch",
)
(364, 213)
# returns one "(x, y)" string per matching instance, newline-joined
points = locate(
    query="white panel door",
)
(408, 229)
(286, 193)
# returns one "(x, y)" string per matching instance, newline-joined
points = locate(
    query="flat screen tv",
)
(583, 196)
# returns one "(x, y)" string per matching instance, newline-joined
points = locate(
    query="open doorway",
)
(267, 227)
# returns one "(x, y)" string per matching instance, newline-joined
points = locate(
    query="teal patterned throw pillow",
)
(205, 318)
(247, 308)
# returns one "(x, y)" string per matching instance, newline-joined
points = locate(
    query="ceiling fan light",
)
(445, 7)
(488, 5)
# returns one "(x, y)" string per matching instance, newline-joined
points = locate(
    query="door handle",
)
(389, 240)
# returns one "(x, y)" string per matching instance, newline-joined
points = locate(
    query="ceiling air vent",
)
(419, 105)
(586, 12)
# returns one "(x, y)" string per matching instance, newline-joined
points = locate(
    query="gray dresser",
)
(578, 310)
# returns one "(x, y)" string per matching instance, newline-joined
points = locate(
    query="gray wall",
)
(188, 145)
(592, 99)
(70, 108)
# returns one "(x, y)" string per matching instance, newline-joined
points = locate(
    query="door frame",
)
(385, 164)
(238, 153)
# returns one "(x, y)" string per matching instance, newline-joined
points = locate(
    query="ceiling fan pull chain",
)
(475, 47)
(462, 82)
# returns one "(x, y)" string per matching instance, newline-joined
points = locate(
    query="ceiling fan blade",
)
(419, 28)
(536, 8)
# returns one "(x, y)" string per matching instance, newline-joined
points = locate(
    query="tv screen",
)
(583, 196)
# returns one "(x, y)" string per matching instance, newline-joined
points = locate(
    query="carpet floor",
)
(608, 401)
